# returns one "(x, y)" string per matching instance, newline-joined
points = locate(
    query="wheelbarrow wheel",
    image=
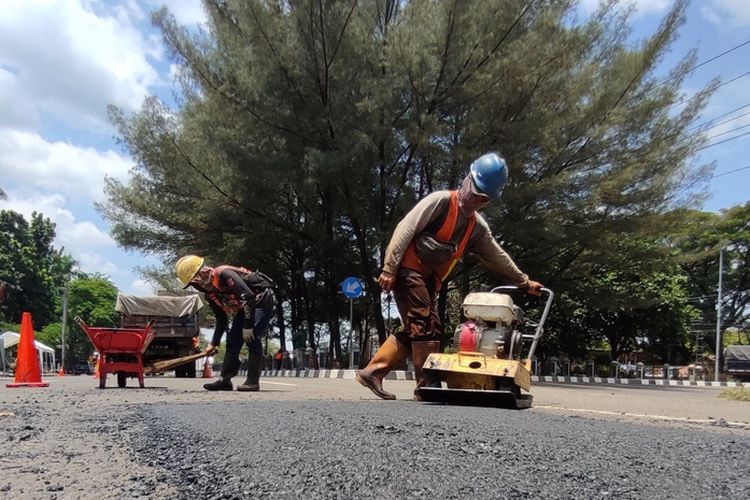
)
(122, 379)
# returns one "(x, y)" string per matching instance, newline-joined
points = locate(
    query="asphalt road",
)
(323, 438)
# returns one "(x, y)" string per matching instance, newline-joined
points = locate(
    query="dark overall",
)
(247, 297)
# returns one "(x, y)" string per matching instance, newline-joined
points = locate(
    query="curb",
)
(340, 374)
(409, 375)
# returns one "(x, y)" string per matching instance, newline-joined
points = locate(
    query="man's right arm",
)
(220, 326)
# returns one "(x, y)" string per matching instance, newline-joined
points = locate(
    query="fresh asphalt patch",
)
(403, 449)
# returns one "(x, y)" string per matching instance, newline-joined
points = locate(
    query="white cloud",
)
(185, 12)
(734, 13)
(94, 262)
(16, 112)
(29, 161)
(61, 63)
(71, 62)
(70, 232)
(642, 7)
(81, 239)
(141, 287)
(93, 249)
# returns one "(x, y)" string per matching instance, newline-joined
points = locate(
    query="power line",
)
(732, 49)
(720, 55)
(721, 122)
(729, 131)
(731, 171)
(722, 142)
(718, 86)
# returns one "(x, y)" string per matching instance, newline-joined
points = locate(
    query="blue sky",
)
(63, 61)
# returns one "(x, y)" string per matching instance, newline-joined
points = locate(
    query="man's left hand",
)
(535, 288)
(248, 335)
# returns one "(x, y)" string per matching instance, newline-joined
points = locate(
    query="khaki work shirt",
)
(481, 242)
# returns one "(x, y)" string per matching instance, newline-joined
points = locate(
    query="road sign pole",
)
(351, 333)
(352, 288)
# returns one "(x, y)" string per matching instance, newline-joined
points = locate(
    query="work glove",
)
(248, 335)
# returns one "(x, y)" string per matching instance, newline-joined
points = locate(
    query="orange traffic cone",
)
(207, 371)
(28, 371)
(96, 366)
(61, 372)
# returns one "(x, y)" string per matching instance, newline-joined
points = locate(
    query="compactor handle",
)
(545, 313)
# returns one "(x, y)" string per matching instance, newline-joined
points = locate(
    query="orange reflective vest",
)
(411, 259)
(223, 297)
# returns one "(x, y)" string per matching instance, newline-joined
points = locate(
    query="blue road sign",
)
(352, 287)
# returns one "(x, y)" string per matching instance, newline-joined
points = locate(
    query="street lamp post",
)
(64, 326)
(718, 317)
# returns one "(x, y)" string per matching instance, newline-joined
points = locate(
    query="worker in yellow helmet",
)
(245, 295)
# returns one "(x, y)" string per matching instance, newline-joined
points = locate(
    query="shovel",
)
(169, 364)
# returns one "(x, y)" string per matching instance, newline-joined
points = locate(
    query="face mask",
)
(468, 201)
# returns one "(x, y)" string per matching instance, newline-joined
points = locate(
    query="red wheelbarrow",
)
(120, 350)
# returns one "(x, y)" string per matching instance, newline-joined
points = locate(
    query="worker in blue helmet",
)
(424, 248)
(489, 173)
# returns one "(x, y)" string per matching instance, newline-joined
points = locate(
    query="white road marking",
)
(665, 418)
(279, 383)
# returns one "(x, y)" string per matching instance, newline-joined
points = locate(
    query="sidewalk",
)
(409, 375)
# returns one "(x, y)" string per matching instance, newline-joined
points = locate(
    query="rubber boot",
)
(390, 354)
(420, 350)
(223, 384)
(254, 365)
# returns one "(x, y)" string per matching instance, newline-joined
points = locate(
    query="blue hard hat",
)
(489, 173)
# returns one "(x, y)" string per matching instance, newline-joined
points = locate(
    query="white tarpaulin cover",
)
(175, 307)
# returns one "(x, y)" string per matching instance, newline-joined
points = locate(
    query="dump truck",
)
(737, 362)
(175, 325)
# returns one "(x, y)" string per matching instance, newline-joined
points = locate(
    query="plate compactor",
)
(492, 360)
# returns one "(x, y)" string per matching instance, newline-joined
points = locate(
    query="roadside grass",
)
(736, 394)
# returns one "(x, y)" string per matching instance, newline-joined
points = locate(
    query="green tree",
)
(50, 335)
(702, 237)
(93, 299)
(306, 129)
(29, 261)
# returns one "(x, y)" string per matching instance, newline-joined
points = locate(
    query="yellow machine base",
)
(475, 397)
(476, 379)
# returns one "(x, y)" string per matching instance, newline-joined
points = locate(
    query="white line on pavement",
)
(723, 422)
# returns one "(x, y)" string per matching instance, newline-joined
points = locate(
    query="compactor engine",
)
(491, 327)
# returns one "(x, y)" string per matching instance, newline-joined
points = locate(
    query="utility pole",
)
(64, 325)
(718, 317)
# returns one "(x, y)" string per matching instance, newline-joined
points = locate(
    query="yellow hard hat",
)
(187, 267)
